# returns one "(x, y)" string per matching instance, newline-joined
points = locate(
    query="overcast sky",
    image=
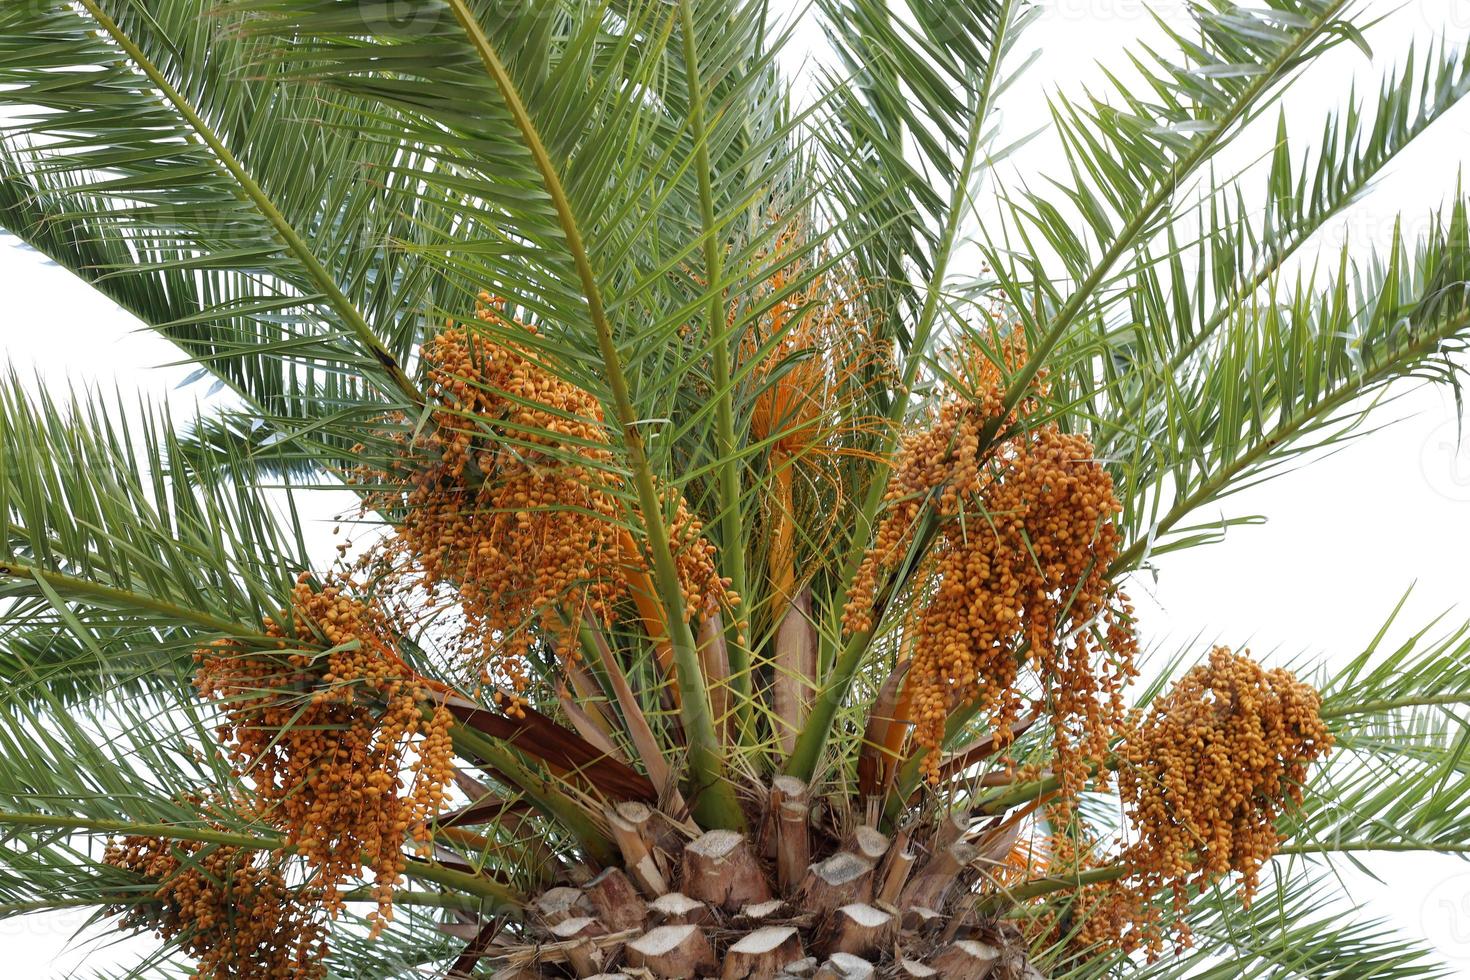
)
(1346, 536)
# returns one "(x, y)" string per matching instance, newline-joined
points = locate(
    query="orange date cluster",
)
(229, 908)
(325, 739)
(1017, 573)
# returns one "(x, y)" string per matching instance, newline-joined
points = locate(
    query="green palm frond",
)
(176, 546)
(1131, 151)
(1312, 350)
(39, 651)
(1186, 291)
(228, 244)
(1300, 929)
(913, 97)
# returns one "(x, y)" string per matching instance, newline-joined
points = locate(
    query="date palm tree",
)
(747, 489)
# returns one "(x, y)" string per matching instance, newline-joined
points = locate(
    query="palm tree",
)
(737, 585)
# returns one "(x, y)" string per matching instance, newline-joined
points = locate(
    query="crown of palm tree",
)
(736, 584)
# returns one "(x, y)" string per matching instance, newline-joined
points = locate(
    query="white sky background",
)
(1347, 535)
